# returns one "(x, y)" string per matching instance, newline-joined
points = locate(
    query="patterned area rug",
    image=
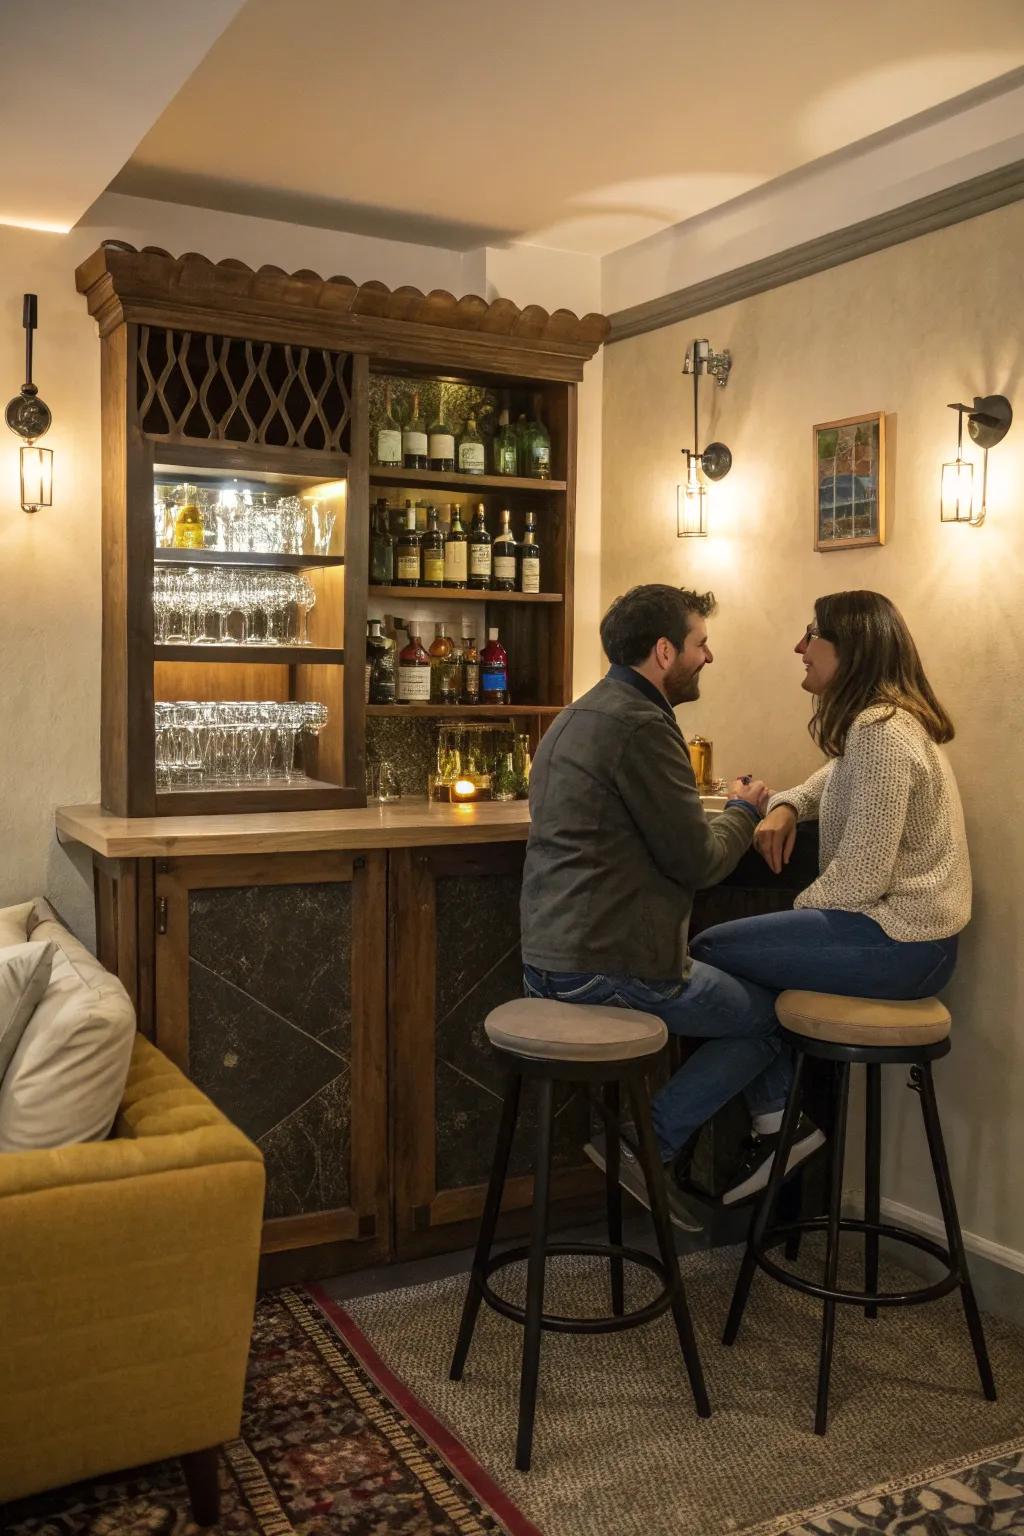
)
(332, 1445)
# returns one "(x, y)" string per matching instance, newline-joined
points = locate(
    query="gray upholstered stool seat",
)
(863, 1020)
(541, 1028)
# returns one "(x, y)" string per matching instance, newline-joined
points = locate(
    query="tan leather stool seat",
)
(863, 1020)
(540, 1027)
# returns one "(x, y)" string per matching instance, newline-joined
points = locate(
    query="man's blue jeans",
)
(728, 1002)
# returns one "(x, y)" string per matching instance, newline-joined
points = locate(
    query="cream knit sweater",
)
(891, 826)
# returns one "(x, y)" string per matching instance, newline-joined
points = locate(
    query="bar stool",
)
(845, 1030)
(554, 1042)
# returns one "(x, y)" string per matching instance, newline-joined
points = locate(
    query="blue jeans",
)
(728, 1002)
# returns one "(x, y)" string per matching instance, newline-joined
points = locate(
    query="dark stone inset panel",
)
(254, 1065)
(409, 745)
(290, 946)
(307, 1155)
(479, 963)
(467, 1117)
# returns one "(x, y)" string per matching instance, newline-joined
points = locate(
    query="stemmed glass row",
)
(256, 522)
(231, 743)
(194, 606)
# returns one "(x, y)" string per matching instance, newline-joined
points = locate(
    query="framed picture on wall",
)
(849, 482)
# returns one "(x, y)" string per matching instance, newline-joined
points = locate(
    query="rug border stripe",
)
(447, 1444)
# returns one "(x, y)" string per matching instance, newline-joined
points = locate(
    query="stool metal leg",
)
(791, 1205)
(613, 1192)
(650, 1160)
(763, 1214)
(535, 1276)
(872, 1178)
(835, 1204)
(922, 1079)
(488, 1223)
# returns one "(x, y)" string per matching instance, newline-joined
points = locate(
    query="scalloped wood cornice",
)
(401, 325)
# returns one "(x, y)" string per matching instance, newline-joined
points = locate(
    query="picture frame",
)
(849, 482)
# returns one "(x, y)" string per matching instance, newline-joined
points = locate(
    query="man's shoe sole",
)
(643, 1199)
(758, 1181)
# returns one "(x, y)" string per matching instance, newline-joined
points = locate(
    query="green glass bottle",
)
(506, 447)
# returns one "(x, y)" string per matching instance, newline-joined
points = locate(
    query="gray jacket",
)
(619, 841)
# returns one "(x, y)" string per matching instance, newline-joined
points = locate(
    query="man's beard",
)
(682, 687)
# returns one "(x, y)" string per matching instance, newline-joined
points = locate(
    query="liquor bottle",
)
(380, 664)
(444, 673)
(494, 671)
(414, 438)
(538, 445)
(382, 548)
(470, 671)
(456, 556)
(441, 442)
(471, 449)
(407, 552)
(479, 552)
(505, 557)
(188, 522)
(522, 432)
(522, 763)
(389, 436)
(421, 516)
(529, 557)
(506, 446)
(413, 669)
(432, 549)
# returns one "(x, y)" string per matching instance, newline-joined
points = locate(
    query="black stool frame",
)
(765, 1233)
(612, 1075)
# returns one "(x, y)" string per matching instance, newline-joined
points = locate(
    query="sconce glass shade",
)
(691, 511)
(957, 500)
(36, 478)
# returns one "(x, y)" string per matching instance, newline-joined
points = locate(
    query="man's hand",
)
(775, 837)
(753, 791)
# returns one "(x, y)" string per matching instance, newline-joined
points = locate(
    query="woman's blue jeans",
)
(728, 1002)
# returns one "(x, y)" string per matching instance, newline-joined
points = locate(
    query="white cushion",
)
(67, 1077)
(14, 923)
(24, 975)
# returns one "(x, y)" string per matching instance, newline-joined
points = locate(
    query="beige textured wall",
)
(903, 331)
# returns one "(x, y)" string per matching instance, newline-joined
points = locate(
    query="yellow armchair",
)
(127, 1287)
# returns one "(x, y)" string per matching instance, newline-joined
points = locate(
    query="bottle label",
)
(531, 573)
(415, 442)
(389, 446)
(541, 455)
(494, 680)
(455, 560)
(414, 685)
(409, 565)
(442, 445)
(433, 565)
(505, 567)
(471, 458)
(471, 679)
(479, 559)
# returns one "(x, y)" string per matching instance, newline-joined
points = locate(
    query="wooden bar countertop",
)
(413, 822)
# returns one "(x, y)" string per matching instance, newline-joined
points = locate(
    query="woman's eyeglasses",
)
(812, 632)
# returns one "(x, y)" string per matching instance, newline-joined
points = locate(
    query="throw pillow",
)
(14, 923)
(24, 976)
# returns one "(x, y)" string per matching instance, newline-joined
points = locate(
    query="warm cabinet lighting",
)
(988, 422)
(36, 478)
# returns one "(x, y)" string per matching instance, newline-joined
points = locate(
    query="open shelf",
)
(460, 711)
(463, 594)
(164, 555)
(437, 480)
(279, 655)
(302, 795)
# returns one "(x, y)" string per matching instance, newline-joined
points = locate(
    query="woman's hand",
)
(775, 837)
(754, 791)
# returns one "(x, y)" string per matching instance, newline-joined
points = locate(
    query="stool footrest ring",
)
(942, 1287)
(556, 1324)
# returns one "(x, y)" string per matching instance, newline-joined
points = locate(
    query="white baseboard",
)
(931, 1226)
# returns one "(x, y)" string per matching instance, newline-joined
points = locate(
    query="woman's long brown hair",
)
(878, 664)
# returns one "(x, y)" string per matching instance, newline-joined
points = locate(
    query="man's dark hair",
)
(638, 619)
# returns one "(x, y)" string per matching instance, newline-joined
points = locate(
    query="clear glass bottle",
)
(480, 552)
(503, 778)
(382, 548)
(432, 552)
(471, 449)
(522, 763)
(505, 556)
(494, 671)
(506, 446)
(389, 436)
(407, 554)
(414, 438)
(441, 442)
(380, 664)
(470, 671)
(188, 521)
(538, 444)
(444, 673)
(413, 670)
(529, 557)
(456, 553)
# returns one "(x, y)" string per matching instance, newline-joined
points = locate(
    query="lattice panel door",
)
(225, 389)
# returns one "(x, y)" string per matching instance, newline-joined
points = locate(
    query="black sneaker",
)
(631, 1177)
(752, 1175)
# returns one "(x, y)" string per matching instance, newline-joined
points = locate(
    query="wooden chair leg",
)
(200, 1469)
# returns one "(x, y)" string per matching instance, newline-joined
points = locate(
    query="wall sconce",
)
(715, 462)
(30, 417)
(988, 422)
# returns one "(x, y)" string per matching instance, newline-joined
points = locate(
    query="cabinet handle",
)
(161, 915)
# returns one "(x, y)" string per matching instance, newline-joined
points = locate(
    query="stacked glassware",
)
(229, 744)
(240, 522)
(195, 605)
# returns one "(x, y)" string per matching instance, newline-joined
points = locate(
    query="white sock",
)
(768, 1124)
